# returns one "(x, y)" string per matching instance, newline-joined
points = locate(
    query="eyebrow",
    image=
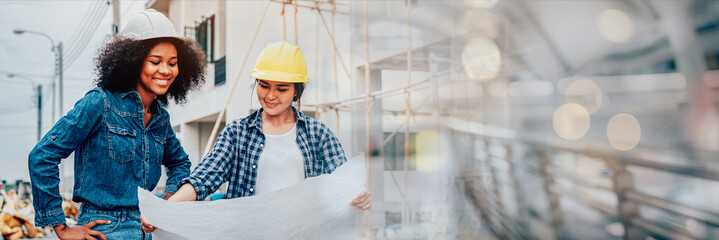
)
(279, 85)
(157, 56)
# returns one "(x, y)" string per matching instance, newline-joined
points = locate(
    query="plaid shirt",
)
(239, 146)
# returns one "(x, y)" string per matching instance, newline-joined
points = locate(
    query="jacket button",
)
(254, 166)
(262, 145)
(252, 189)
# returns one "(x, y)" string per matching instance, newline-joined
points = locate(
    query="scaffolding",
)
(338, 104)
(492, 181)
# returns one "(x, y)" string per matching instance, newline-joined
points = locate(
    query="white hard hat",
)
(150, 24)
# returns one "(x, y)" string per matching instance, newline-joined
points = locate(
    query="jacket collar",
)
(155, 106)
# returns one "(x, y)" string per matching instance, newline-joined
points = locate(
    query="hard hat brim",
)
(171, 37)
(151, 36)
(279, 76)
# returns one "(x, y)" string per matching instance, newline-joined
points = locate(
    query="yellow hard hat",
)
(282, 62)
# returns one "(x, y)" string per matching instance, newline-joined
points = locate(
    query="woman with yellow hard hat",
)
(273, 147)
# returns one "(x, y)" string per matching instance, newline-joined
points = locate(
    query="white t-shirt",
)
(281, 163)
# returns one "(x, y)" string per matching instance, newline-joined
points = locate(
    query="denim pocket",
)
(160, 148)
(121, 143)
(105, 228)
(83, 219)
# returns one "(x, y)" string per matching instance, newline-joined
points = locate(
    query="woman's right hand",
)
(80, 232)
(148, 228)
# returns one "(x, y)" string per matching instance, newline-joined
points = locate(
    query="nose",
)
(164, 69)
(271, 95)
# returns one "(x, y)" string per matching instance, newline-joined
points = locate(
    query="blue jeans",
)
(124, 223)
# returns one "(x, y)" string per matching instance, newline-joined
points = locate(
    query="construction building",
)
(491, 119)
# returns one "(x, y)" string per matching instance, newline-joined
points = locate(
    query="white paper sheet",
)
(316, 208)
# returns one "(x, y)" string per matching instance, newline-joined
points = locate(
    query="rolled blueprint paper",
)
(315, 208)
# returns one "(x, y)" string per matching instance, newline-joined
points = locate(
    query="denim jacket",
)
(114, 154)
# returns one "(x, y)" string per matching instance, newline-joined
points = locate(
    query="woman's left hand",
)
(363, 200)
(166, 196)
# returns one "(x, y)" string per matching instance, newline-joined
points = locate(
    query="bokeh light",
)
(483, 4)
(427, 150)
(586, 93)
(571, 121)
(481, 59)
(616, 26)
(623, 132)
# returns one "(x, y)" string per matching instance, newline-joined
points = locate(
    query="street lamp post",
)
(58, 70)
(38, 88)
(57, 49)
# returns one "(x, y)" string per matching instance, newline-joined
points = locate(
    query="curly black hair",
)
(119, 65)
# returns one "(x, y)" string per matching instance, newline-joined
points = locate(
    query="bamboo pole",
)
(317, 61)
(451, 61)
(368, 150)
(382, 93)
(334, 63)
(405, 210)
(211, 140)
(314, 7)
(334, 45)
(328, 2)
(297, 43)
(284, 21)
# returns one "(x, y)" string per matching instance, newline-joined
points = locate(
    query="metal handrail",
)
(702, 215)
(577, 179)
(688, 163)
(653, 228)
(602, 207)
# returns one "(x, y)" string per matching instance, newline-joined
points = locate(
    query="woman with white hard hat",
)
(276, 145)
(120, 132)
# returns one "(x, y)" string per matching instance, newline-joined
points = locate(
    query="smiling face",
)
(158, 70)
(275, 97)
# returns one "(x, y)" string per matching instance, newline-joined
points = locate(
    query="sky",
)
(29, 56)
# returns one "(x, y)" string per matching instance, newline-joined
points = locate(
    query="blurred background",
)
(482, 119)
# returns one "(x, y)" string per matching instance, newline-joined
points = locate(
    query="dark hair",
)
(120, 62)
(299, 88)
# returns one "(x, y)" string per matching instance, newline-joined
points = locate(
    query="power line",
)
(9, 111)
(83, 23)
(77, 49)
(50, 77)
(18, 100)
(87, 33)
(14, 125)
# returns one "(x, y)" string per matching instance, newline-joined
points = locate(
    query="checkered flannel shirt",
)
(239, 146)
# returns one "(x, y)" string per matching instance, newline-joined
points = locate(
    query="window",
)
(204, 34)
(220, 74)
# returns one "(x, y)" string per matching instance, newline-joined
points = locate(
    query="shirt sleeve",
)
(176, 160)
(212, 171)
(64, 137)
(331, 149)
